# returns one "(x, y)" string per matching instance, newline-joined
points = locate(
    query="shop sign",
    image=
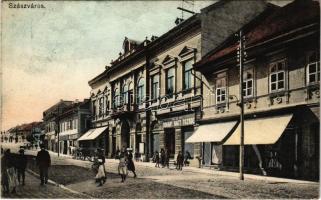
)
(63, 137)
(73, 137)
(179, 121)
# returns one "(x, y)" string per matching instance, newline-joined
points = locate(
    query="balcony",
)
(123, 109)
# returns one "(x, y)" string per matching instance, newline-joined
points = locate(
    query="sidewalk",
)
(197, 170)
(226, 173)
(33, 189)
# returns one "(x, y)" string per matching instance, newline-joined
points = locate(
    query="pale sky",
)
(51, 54)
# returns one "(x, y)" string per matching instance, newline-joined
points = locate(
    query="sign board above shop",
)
(185, 120)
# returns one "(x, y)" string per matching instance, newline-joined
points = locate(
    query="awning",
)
(212, 132)
(260, 131)
(92, 134)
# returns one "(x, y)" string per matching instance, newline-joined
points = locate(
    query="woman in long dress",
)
(122, 166)
(101, 174)
(130, 163)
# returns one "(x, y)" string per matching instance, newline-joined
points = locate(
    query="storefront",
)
(171, 133)
(93, 139)
(211, 136)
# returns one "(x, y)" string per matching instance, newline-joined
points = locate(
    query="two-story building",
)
(51, 124)
(281, 80)
(150, 97)
(74, 121)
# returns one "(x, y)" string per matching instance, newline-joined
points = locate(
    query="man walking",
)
(21, 166)
(43, 162)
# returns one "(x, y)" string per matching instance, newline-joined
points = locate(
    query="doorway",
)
(170, 141)
(125, 136)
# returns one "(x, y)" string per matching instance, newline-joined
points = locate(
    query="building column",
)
(178, 141)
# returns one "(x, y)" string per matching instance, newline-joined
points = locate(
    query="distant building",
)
(51, 124)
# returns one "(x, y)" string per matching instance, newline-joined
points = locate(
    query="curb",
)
(60, 185)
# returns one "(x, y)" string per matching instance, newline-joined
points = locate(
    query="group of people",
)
(163, 158)
(13, 167)
(126, 164)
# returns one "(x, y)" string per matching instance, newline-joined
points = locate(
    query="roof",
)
(28, 126)
(282, 20)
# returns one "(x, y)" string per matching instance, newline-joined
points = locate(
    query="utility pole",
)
(241, 55)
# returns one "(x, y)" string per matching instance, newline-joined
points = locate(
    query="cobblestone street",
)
(159, 183)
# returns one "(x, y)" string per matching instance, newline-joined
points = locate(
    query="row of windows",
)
(68, 125)
(125, 97)
(277, 78)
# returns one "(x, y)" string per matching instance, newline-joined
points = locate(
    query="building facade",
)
(51, 124)
(150, 97)
(74, 121)
(281, 95)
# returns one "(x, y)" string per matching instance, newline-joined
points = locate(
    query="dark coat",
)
(43, 159)
(130, 162)
(22, 161)
(179, 159)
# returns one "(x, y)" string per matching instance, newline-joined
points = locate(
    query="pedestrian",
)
(21, 166)
(4, 174)
(162, 157)
(167, 155)
(36, 146)
(43, 162)
(179, 161)
(101, 174)
(122, 166)
(156, 159)
(10, 171)
(130, 162)
(187, 156)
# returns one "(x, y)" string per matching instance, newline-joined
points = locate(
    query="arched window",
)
(140, 90)
(125, 94)
(116, 98)
(277, 76)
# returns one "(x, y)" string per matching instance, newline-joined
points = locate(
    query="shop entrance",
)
(189, 147)
(170, 141)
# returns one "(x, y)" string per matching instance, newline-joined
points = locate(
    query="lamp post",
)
(240, 56)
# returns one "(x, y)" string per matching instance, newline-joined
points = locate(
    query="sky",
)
(50, 54)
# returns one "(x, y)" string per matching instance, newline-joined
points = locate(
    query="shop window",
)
(313, 68)
(170, 81)
(188, 67)
(140, 90)
(155, 86)
(277, 76)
